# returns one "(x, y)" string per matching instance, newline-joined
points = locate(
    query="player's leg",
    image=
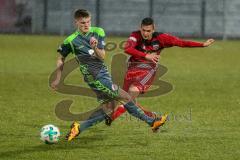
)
(142, 82)
(106, 94)
(100, 114)
(106, 109)
(115, 92)
(120, 109)
(96, 117)
(134, 90)
(132, 108)
(129, 78)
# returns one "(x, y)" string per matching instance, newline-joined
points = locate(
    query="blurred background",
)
(185, 18)
(203, 107)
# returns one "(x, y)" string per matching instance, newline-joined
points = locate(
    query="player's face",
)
(83, 24)
(147, 31)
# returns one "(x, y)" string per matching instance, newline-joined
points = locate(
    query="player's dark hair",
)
(147, 21)
(81, 13)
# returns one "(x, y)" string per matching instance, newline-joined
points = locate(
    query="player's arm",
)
(208, 42)
(63, 51)
(131, 50)
(167, 40)
(98, 44)
(130, 45)
(99, 52)
(60, 63)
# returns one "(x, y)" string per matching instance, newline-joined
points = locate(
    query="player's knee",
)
(133, 91)
(127, 97)
(133, 88)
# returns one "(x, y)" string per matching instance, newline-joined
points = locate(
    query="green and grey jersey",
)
(79, 44)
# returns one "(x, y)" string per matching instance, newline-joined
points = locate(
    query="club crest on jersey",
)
(114, 87)
(91, 51)
(144, 47)
(156, 46)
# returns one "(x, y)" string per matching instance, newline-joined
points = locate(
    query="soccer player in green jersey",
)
(87, 44)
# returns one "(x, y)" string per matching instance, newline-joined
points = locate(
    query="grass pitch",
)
(204, 106)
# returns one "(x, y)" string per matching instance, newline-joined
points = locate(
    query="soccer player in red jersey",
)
(145, 46)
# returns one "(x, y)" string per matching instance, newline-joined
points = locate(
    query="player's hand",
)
(208, 42)
(152, 57)
(93, 42)
(54, 84)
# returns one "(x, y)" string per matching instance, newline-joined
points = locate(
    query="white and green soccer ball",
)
(50, 134)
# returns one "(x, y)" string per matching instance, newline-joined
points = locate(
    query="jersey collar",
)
(86, 34)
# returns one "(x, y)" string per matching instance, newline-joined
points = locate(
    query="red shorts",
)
(142, 78)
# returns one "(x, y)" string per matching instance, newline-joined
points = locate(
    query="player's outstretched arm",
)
(208, 42)
(56, 81)
(167, 40)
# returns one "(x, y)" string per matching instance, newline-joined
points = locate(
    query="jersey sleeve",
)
(64, 49)
(101, 38)
(130, 45)
(167, 40)
(101, 42)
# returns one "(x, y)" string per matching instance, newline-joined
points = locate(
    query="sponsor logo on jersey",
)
(80, 47)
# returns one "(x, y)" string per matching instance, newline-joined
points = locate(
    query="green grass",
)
(206, 83)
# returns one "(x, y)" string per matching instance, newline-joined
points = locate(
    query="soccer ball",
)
(50, 134)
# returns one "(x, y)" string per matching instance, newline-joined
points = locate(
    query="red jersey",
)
(138, 47)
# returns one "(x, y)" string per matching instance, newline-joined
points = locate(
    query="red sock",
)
(119, 111)
(148, 113)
